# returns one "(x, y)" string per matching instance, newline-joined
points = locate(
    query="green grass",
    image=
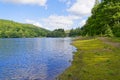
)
(94, 60)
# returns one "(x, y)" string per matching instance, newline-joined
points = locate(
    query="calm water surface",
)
(34, 58)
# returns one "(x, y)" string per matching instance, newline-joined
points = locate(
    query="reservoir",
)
(34, 58)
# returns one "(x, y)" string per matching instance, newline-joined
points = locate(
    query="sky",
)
(49, 14)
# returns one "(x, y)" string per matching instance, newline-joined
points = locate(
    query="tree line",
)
(11, 29)
(57, 33)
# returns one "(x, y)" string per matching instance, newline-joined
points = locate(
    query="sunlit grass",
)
(94, 60)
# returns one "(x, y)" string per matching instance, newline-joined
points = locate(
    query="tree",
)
(105, 13)
(116, 29)
(57, 33)
(75, 32)
(108, 32)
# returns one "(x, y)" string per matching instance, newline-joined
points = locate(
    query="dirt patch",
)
(107, 41)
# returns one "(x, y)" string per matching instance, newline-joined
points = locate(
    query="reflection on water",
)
(34, 58)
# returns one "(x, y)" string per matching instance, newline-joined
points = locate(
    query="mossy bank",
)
(96, 59)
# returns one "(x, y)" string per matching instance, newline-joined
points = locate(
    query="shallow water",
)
(34, 58)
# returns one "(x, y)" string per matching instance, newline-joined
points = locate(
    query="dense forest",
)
(11, 29)
(75, 32)
(57, 33)
(104, 21)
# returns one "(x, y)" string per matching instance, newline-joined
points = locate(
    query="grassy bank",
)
(95, 59)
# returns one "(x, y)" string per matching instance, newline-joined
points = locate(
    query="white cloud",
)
(81, 7)
(55, 22)
(36, 23)
(33, 2)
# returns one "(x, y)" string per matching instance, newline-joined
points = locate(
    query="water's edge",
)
(57, 78)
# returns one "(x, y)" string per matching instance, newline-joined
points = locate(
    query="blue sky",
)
(49, 14)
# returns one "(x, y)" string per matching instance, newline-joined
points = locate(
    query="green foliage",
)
(75, 32)
(57, 33)
(105, 13)
(108, 32)
(116, 29)
(10, 29)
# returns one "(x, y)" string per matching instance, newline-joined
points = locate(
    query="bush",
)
(116, 29)
(108, 32)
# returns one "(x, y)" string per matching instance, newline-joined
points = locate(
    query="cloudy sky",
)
(49, 14)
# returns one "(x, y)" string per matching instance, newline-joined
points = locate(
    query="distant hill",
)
(11, 29)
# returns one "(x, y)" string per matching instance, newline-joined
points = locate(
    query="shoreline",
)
(94, 60)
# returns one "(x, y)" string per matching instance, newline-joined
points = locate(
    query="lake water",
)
(34, 58)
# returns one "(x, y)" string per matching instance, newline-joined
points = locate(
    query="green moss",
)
(94, 60)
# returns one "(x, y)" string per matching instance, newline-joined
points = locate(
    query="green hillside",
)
(11, 29)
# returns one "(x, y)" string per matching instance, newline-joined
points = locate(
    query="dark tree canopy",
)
(75, 32)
